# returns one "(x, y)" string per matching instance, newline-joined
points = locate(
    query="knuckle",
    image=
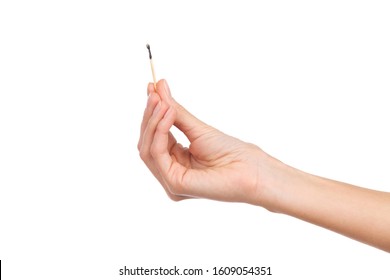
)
(164, 107)
(144, 155)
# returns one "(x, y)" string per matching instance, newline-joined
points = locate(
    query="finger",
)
(170, 170)
(151, 119)
(159, 147)
(150, 129)
(151, 105)
(144, 142)
(150, 89)
(149, 135)
(157, 114)
(181, 155)
(164, 91)
(191, 126)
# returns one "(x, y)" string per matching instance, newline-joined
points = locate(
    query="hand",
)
(215, 166)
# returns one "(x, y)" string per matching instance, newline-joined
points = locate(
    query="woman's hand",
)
(215, 166)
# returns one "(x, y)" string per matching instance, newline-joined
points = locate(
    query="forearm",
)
(358, 213)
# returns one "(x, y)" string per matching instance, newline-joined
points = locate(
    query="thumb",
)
(191, 126)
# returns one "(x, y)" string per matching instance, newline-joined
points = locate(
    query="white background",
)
(307, 81)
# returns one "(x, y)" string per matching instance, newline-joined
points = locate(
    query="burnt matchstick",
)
(151, 66)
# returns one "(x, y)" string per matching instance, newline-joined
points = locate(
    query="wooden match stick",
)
(152, 67)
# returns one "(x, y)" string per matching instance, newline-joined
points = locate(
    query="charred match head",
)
(150, 53)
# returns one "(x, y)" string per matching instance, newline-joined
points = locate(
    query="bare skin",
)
(220, 167)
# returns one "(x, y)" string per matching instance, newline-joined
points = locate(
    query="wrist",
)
(273, 184)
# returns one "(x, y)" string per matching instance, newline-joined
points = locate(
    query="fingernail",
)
(147, 91)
